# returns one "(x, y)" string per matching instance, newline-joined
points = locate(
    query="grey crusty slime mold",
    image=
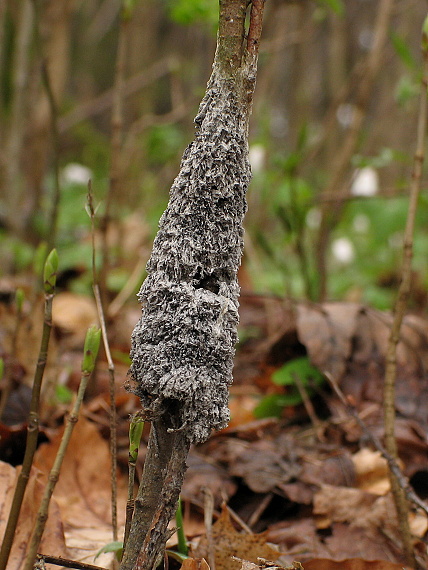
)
(183, 346)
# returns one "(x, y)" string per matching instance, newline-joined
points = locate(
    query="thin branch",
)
(400, 309)
(104, 101)
(392, 461)
(66, 563)
(51, 266)
(92, 344)
(111, 371)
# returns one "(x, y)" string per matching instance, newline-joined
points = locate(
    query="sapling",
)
(49, 283)
(183, 346)
(90, 352)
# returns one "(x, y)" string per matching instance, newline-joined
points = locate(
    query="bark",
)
(183, 346)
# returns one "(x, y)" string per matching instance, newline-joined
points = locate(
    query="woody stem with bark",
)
(400, 308)
(182, 348)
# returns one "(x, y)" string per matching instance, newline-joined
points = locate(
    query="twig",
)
(111, 371)
(401, 305)
(92, 343)
(392, 462)
(59, 561)
(124, 294)
(310, 410)
(135, 431)
(104, 101)
(208, 520)
(259, 510)
(157, 497)
(50, 270)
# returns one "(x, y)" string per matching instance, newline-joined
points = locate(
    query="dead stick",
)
(66, 563)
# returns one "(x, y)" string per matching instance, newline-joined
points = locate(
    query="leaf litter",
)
(317, 496)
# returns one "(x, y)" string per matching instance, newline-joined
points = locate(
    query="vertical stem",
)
(32, 436)
(157, 497)
(399, 310)
(111, 369)
(42, 514)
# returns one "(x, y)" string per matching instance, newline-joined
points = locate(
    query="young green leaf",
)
(135, 431)
(310, 377)
(116, 547)
(300, 367)
(50, 271)
(182, 542)
(1, 368)
(92, 345)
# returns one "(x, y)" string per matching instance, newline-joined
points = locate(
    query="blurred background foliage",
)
(331, 142)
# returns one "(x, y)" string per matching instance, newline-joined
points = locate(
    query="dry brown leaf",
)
(361, 509)
(265, 565)
(326, 331)
(201, 474)
(83, 491)
(73, 314)
(372, 471)
(53, 538)
(195, 564)
(351, 564)
(228, 543)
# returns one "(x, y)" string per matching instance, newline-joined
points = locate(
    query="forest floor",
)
(306, 485)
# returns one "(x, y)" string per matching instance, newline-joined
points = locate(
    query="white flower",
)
(75, 173)
(257, 156)
(366, 182)
(343, 250)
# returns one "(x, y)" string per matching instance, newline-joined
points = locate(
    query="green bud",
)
(425, 35)
(50, 271)
(19, 299)
(135, 431)
(1, 368)
(92, 345)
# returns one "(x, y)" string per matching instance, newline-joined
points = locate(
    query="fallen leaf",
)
(195, 564)
(83, 491)
(53, 540)
(371, 471)
(266, 564)
(73, 314)
(351, 564)
(201, 474)
(227, 543)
